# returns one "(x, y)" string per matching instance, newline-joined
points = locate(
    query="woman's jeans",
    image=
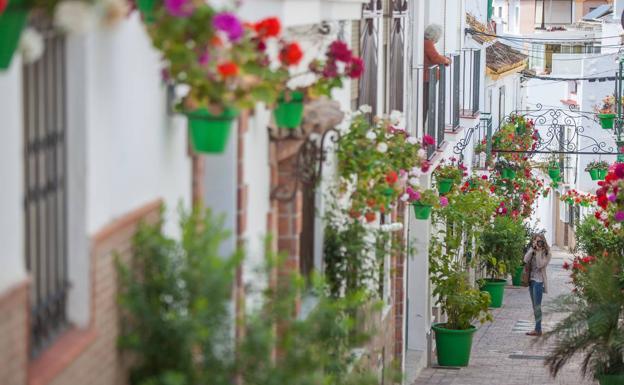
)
(536, 290)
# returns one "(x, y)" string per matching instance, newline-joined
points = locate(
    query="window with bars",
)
(45, 200)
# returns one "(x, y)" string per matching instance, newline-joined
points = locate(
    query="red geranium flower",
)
(3, 5)
(228, 69)
(340, 51)
(291, 54)
(269, 27)
(355, 68)
(392, 177)
(428, 140)
(370, 216)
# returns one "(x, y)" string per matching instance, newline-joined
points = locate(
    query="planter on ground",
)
(453, 346)
(611, 379)
(606, 120)
(516, 278)
(209, 133)
(445, 185)
(496, 288)
(12, 22)
(289, 114)
(421, 211)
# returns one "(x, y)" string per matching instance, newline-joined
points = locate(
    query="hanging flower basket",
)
(445, 185)
(554, 173)
(421, 211)
(147, 8)
(12, 22)
(209, 133)
(521, 128)
(606, 120)
(289, 114)
(597, 174)
(508, 173)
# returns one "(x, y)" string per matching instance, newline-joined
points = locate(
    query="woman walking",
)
(536, 261)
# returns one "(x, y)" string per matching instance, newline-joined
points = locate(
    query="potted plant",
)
(606, 112)
(507, 169)
(12, 21)
(554, 171)
(462, 304)
(502, 245)
(423, 201)
(447, 175)
(597, 169)
(229, 72)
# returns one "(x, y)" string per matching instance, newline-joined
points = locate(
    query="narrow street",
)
(502, 354)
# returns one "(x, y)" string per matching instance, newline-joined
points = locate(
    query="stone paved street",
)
(502, 354)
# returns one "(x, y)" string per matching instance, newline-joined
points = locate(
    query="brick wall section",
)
(14, 335)
(100, 363)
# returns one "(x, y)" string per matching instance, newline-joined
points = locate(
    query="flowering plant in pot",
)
(597, 169)
(501, 250)
(574, 197)
(376, 160)
(222, 61)
(328, 73)
(606, 112)
(610, 198)
(507, 169)
(423, 201)
(448, 174)
(508, 139)
(521, 123)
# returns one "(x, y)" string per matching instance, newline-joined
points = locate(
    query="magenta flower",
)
(355, 68)
(619, 170)
(179, 8)
(330, 70)
(619, 216)
(340, 51)
(228, 23)
(612, 198)
(204, 59)
(444, 201)
(414, 195)
(428, 140)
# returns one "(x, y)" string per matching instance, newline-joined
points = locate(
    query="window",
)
(501, 104)
(553, 12)
(572, 87)
(45, 201)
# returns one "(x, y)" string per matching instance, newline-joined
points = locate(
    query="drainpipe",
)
(489, 10)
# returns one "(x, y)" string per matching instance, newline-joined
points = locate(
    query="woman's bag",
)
(526, 272)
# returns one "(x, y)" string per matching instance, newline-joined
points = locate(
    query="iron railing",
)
(432, 113)
(449, 96)
(45, 201)
(470, 79)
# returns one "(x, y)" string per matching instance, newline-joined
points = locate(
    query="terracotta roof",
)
(499, 57)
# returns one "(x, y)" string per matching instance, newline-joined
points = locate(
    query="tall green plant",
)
(502, 246)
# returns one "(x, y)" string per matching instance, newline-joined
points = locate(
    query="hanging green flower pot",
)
(453, 346)
(289, 114)
(584, 204)
(611, 379)
(597, 174)
(602, 173)
(12, 22)
(606, 120)
(496, 288)
(508, 173)
(209, 133)
(421, 211)
(445, 185)
(147, 9)
(554, 173)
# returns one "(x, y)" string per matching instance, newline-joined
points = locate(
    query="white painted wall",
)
(13, 269)
(498, 105)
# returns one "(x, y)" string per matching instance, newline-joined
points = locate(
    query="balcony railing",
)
(470, 79)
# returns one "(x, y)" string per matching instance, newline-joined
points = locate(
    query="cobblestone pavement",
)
(502, 354)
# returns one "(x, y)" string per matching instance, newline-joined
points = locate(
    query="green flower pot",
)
(289, 114)
(453, 346)
(606, 120)
(554, 173)
(521, 128)
(584, 204)
(496, 288)
(421, 211)
(147, 9)
(611, 379)
(516, 278)
(209, 133)
(12, 22)
(597, 174)
(508, 173)
(445, 185)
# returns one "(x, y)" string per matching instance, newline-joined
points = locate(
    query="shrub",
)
(502, 246)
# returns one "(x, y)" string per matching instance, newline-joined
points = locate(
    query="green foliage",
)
(175, 297)
(593, 326)
(502, 246)
(593, 238)
(450, 171)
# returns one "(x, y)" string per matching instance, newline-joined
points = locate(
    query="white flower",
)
(617, 226)
(396, 116)
(31, 45)
(366, 109)
(371, 135)
(604, 215)
(412, 140)
(74, 17)
(414, 181)
(391, 227)
(422, 153)
(404, 197)
(382, 147)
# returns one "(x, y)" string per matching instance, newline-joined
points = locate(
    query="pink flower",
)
(619, 170)
(444, 201)
(179, 8)
(428, 140)
(355, 68)
(340, 51)
(484, 177)
(619, 216)
(228, 23)
(424, 167)
(612, 198)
